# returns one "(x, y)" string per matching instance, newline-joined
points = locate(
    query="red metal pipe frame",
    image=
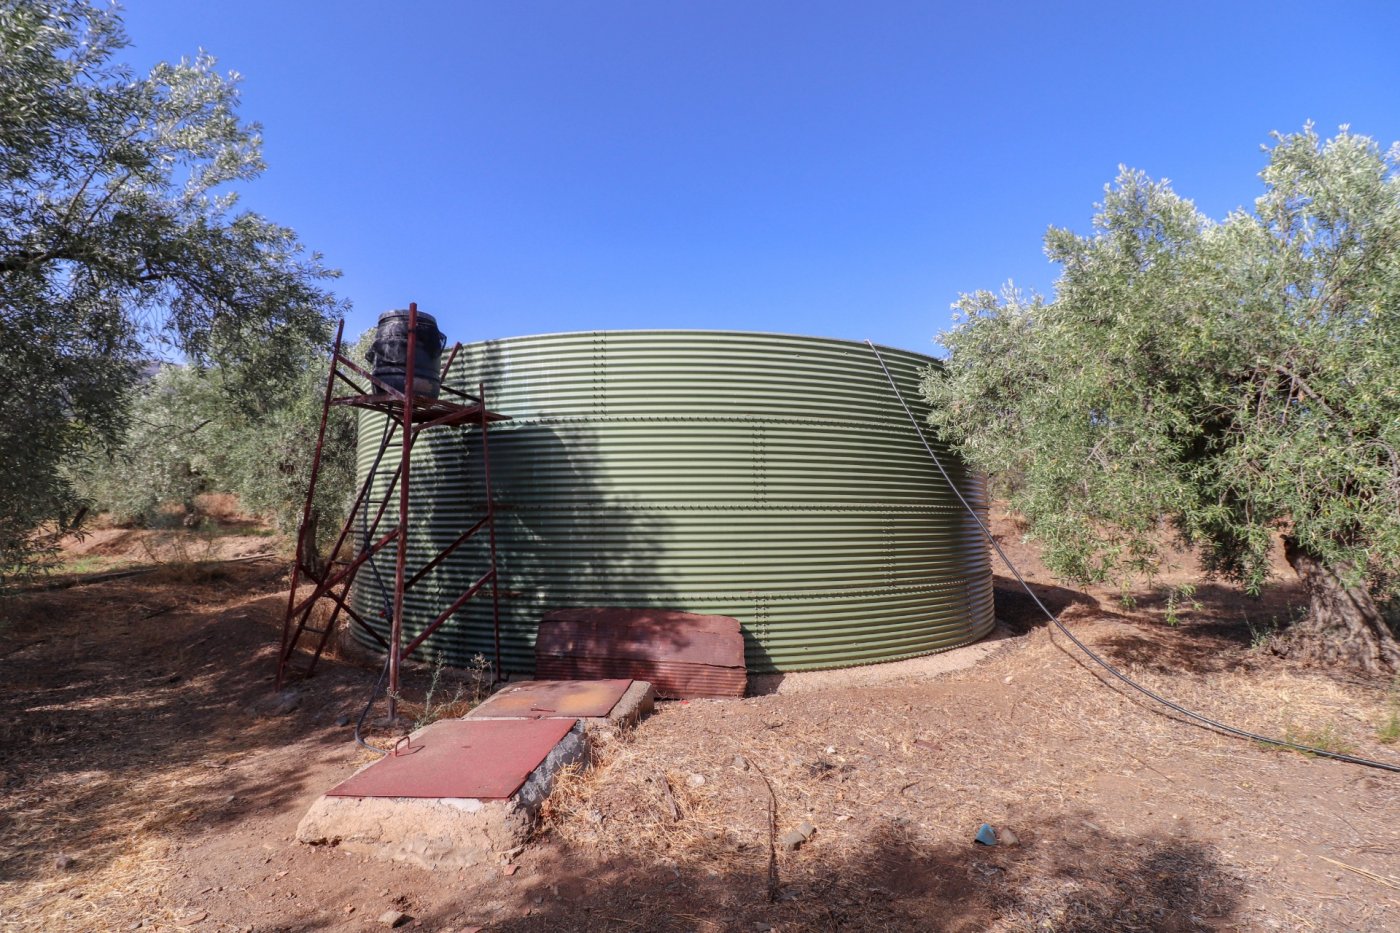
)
(444, 554)
(456, 347)
(360, 498)
(347, 575)
(341, 600)
(359, 501)
(446, 367)
(458, 603)
(405, 401)
(306, 509)
(344, 575)
(374, 380)
(325, 587)
(355, 386)
(490, 575)
(449, 418)
(302, 611)
(340, 604)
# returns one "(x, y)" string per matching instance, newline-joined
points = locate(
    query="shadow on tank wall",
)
(756, 476)
(564, 538)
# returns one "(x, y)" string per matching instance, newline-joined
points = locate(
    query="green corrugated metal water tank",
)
(771, 478)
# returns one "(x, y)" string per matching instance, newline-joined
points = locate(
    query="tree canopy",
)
(187, 435)
(1230, 379)
(120, 238)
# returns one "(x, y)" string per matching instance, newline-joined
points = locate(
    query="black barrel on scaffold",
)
(389, 353)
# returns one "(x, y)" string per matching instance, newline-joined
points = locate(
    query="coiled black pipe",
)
(1196, 718)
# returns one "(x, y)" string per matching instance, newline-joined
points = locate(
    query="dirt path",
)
(139, 788)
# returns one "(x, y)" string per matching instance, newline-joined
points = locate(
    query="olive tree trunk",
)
(1344, 625)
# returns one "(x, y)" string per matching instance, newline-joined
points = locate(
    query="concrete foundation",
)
(439, 832)
(461, 832)
(637, 702)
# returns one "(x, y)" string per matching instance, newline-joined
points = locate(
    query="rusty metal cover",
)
(671, 681)
(552, 699)
(681, 654)
(482, 759)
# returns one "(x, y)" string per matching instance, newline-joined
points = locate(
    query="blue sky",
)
(838, 169)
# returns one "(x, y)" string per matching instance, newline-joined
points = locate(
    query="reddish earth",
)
(141, 787)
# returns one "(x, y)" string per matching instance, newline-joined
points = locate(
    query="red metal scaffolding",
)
(408, 417)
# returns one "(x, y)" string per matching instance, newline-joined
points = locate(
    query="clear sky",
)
(838, 169)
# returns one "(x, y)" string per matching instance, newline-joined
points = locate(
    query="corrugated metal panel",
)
(673, 680)
(769, 478)
(681, 654)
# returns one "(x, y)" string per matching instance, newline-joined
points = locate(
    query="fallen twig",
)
(1365, 873)
(1146, 765)
(670, 799)
(773, 883)
(120, 574)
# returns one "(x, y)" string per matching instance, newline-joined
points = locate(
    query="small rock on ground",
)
(278, 704)
(394, 918)
(794, 838)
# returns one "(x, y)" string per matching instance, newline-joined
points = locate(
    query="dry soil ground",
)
(142, 791)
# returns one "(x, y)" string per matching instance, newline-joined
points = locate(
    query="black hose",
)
(364, 713)
(1198, 718)
(383, 593)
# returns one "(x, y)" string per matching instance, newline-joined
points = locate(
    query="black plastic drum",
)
(389, 354)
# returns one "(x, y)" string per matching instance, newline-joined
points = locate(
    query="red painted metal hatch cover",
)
(681, 654)
(479, 758)
(549, 699)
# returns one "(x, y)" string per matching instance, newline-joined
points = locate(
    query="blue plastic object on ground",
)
(986, 836)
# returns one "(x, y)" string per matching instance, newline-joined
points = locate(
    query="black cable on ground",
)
(364, 713)
(1197, 718)
(383, 593)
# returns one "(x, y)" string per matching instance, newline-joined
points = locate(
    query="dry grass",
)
(99, 899)
(1388, 733)
(184, 558)
(628, 800)
(1099, 786)
(118, 832)
(222, 507)
(1129, 819)
(118, 742)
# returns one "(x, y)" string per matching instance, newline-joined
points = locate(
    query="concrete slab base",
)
(636, 703)
(637, 700)
(889, 672)
(439, 832)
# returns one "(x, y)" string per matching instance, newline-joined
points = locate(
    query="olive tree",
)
(187, 434)
(119, 238)
(1233, 380)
